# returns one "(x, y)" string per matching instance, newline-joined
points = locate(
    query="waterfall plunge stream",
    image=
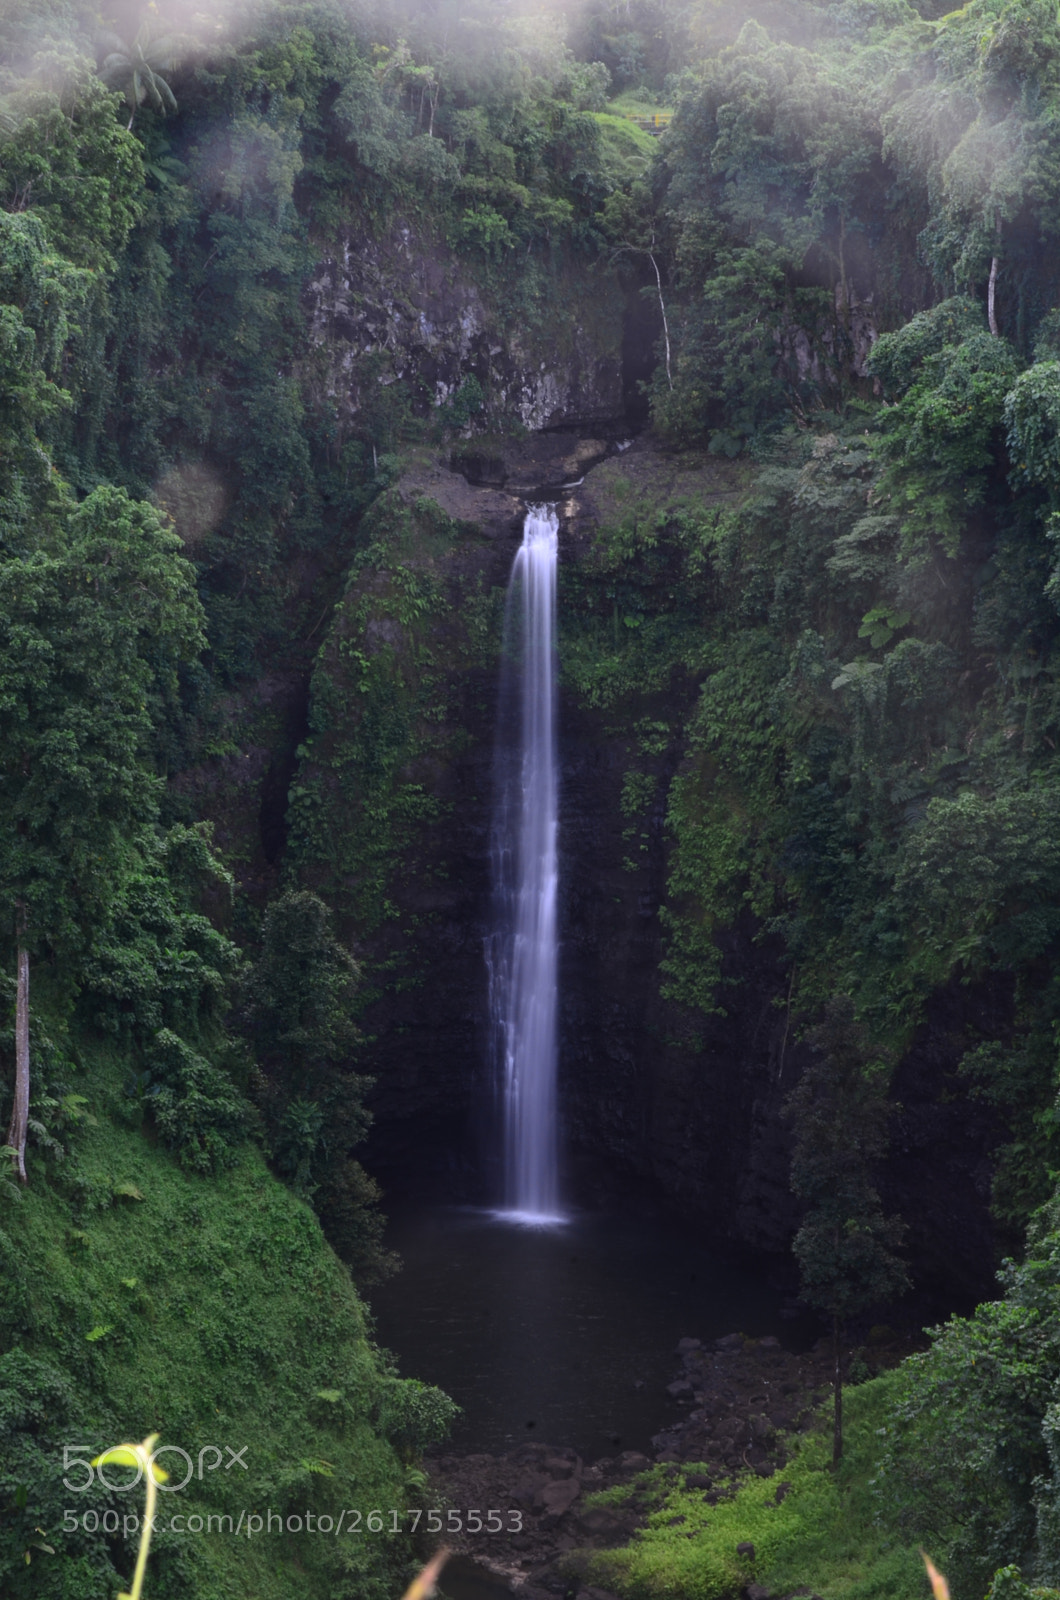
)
(522, 950)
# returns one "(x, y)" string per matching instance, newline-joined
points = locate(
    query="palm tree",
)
(136, 69)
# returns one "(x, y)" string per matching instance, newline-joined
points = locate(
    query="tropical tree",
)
(974, 122)
(300, 1003)
(846, 1246)
(92, 627)
(301, 994)
(136, 67)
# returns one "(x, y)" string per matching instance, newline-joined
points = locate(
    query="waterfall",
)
(522, 950)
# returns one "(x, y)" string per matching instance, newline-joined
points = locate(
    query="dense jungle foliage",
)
(851, 228)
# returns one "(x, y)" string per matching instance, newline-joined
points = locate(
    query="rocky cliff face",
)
(405, 689)
(406, 309)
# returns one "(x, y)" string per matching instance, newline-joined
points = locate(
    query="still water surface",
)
(563, 1335)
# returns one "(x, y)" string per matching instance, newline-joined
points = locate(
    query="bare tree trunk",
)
(662, 308)
(837, 1423)
(644, 250)
(16, 1134)
(991, 315)
(787, 1021)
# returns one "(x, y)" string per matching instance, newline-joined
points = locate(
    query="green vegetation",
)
(863, 729)
(409, 639)
(823, 1528)
(852, 667)
(137, 1292)
(301, 998)
(846, 1246)
(955, 1450)
(866, 746)
(822, 616)
(626, 150)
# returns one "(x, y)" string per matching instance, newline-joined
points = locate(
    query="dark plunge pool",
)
(564, 1335)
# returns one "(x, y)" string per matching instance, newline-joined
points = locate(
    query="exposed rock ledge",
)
(406, 307)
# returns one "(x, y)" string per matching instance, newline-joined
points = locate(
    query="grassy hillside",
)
(136, 1298)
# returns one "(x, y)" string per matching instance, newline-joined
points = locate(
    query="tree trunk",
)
(837, 1425)
(16, 1134)
(991, 315)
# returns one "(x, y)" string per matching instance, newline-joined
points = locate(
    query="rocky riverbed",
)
(745, 1399)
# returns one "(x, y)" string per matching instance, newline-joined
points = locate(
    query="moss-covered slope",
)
(137, 1298)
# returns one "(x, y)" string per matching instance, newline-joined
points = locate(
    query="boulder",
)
(603, 1522)
(557, 1496)
(526, 1490)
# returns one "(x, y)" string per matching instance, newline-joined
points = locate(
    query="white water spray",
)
(522, 950)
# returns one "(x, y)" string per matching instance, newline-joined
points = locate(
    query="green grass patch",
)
(823, 1533)
(135, 1298)
(626, 151)
(637, 102)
